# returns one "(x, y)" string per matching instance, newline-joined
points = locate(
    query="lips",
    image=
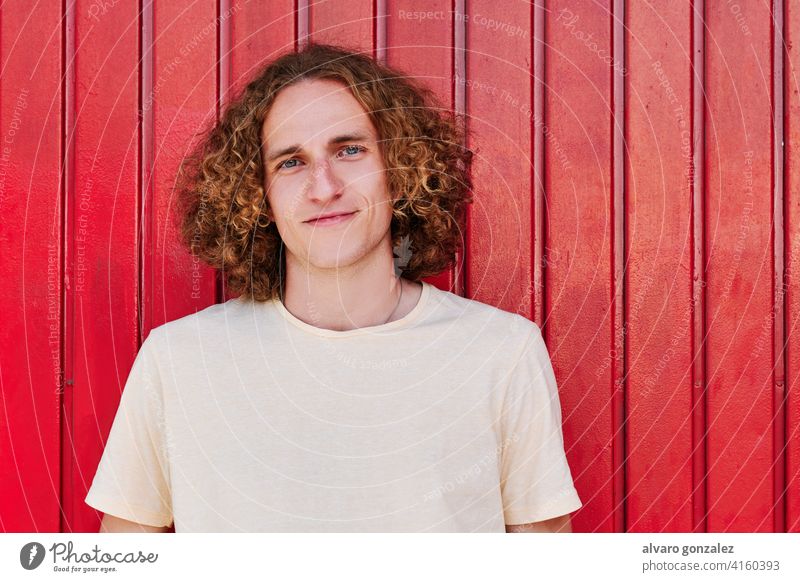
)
(330, 220)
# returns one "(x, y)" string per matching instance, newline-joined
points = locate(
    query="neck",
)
(362, 294)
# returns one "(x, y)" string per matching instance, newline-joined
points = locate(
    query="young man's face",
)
(321, 156)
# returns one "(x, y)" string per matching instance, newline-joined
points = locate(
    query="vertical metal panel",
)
(539, 242)
(147, 97)
(31, 199)
(259, 33)
(779, 283)
(70, 274)
(579, 286)
(698, 300)
(634, 178)
(618, 190)
(346, 23)
(457, 275)
(658, 267)
(184, 95)
(739, 249)
(791, 92)
(102, 238)
(499, 102)
(424, 49)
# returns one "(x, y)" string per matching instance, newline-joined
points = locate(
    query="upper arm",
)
(132, 481)
(560, 524)
(113, 524)
(536, 482)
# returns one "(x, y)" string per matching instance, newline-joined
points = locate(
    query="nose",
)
(324, 185)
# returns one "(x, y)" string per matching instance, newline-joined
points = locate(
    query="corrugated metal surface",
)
(636, 178)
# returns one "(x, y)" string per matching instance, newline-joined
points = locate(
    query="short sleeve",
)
(133, 480)
(536, 482)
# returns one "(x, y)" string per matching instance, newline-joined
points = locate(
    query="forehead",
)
(312, 108)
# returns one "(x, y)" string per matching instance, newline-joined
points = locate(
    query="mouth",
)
(332, 220)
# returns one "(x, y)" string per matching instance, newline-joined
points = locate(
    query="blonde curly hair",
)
(223, 211)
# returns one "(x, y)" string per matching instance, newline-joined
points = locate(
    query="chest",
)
(280, 460)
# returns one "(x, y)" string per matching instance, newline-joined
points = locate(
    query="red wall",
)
(636, 194)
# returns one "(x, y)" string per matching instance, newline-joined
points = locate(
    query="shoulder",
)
(472, 310)
(214, 321)
(478, 318)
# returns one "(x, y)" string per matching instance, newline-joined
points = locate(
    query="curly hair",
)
(224, 214)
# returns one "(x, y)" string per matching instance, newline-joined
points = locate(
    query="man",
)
(333, 395)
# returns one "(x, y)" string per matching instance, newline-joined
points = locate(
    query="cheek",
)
(278, 210)
(375, 187)
(283, 200)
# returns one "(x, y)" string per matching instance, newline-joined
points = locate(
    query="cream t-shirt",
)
(244, 418)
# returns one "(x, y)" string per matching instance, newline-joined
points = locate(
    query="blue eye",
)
(283, 164)
(351, 150)
(358, 149)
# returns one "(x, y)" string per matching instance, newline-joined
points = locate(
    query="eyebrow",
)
(293, 149)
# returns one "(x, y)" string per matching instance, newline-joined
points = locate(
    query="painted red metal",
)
(658, 270)
(102, 234)
(31, 286)
(791, 94)
(632, 196)
(579, 292)
(739, 261)
(424, 48)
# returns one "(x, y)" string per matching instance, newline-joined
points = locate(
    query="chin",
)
(337, 264)
(334, 252)
(333, 260)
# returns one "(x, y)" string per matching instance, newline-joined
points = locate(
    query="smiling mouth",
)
(338, 219)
